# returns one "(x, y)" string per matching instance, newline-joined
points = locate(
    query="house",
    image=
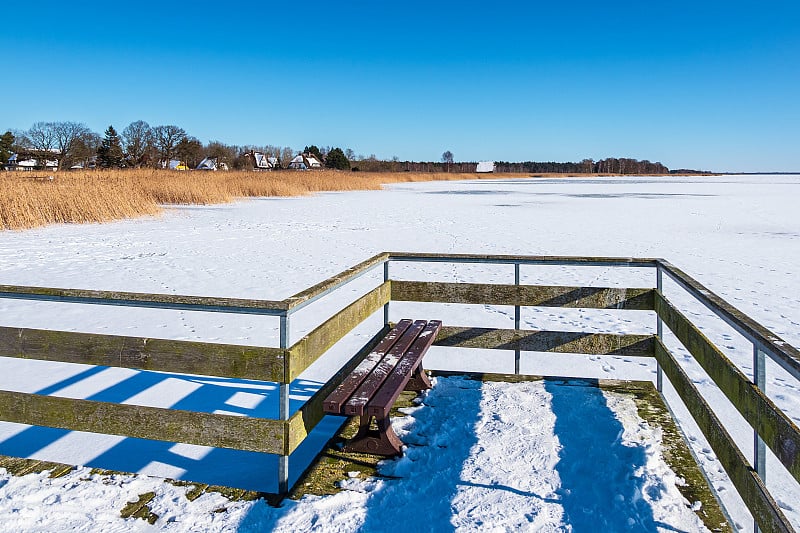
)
(485, 166)
(175, 164)
(90, 163)
(305, 161)
(263, 162)
(27, 162)
(211, 163)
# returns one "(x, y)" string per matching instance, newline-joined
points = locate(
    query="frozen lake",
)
(739, 236)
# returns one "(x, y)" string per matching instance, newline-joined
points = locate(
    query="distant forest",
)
(73, 145)
(610, 165)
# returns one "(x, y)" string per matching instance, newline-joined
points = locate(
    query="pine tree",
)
(109, 154)
(336, 159)
(6, 142)
(313, 150)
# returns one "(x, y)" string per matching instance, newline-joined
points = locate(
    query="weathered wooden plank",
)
(781, 351)
(523, 295)
(334, 281)
(749, 486)
(381, 403)
(135, 299)
(335, 401)
(358, 401)
(250, 362)
(171, 425)
(776, 429)
(308, 416)
(546, 341)
(525, 259)
(308, 349)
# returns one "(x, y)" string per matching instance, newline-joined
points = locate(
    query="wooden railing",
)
(283, 364)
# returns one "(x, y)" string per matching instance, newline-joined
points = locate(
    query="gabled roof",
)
(308, 160)
(209, 163)
(30, 162)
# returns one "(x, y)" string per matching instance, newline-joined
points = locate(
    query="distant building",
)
(90, 163)
(262, 161)
(26, 162)
(211, 163)
(305, 161)
(485, 166)
(175, 164)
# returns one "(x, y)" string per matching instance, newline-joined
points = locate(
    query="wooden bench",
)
(372, 388)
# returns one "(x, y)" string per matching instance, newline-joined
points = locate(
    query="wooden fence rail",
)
(285, 364)
(762, 506)
(772, 424)
(186, 357)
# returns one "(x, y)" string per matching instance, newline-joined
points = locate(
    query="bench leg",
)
(381, 441)
(419, 380)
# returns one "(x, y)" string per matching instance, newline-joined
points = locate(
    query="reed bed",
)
(31, 199)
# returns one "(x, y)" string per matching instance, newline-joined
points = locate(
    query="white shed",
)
(485, 166)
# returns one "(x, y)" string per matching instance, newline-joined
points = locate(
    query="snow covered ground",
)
(740, 236)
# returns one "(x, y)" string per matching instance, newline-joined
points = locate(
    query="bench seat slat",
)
(382, 401)
(336, 400)
(355, 405)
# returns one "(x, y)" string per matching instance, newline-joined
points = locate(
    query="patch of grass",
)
(332, 465)
(17, 466)
(140, 508)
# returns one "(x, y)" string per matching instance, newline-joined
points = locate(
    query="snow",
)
(739, 236)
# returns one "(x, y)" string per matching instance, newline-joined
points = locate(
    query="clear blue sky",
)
(700, 84)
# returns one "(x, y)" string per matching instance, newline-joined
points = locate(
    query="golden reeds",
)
(30, 199)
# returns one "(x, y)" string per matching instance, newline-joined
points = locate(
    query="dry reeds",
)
(30, 199)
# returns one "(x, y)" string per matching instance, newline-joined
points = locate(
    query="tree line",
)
(611, 165)
(141, 145)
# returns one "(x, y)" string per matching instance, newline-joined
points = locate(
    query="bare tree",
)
(22, 143)
(287, 154)
(222, 152)
(85, 148)
(137, 142)
(166, 139)
(42, 136)
(66, 136)
(447, 157)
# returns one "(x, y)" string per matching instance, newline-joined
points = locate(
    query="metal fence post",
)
(760, 380)
(386, 305)
(759, 447)
(517, 317)
(659, 329)
(283, 460)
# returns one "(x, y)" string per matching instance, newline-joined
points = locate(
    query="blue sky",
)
(710, 85)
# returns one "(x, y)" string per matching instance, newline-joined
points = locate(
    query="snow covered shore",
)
(740, 236)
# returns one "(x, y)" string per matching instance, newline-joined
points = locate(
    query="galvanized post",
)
(283, 460)
(386, 305)
(759, 447)
(659, 329)
(517, 317)
(760, 380)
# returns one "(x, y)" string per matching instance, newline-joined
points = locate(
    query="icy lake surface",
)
(739, 236)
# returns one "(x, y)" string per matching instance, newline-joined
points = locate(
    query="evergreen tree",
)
(336, 159)
(109, 154)
(6, 142)
(190, 151)
(313, 150)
